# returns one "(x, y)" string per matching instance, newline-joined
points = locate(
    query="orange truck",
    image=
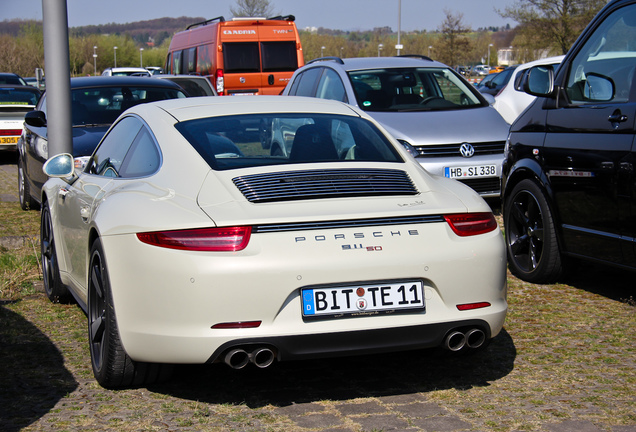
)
(245, 56)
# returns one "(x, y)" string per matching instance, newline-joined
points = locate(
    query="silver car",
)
(427, 106)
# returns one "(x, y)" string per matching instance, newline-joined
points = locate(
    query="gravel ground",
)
(565, 362)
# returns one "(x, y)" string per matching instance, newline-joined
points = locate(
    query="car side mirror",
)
(489, 98)
(539, 81)
(59, 166)
(598, 88)
(35, 118)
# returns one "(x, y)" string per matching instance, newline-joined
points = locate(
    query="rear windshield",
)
(279, 56)
(254, 140)
(19, 96)
(102, 105)
(413, 89)
(241, 57)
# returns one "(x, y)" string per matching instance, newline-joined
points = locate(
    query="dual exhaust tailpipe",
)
(456, 340)
(238, 358)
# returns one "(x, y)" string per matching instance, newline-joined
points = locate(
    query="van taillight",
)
(220, 84)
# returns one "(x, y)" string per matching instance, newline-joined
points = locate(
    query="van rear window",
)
(279, 56)
(241, 57)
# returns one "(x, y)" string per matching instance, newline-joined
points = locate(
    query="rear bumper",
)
(313, 346)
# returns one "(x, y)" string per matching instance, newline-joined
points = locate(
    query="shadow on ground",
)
(343, 378)
(42, 380)
(613, 283)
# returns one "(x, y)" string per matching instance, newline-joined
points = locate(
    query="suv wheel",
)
(531, 243)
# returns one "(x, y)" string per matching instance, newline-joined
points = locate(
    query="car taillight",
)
(228, 239)
(10, 132)
(469, 224)
(220, 81)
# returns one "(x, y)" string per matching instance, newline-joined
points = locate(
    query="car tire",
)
(53, 286)
(112, 367)
(531, 241)
(26, 201)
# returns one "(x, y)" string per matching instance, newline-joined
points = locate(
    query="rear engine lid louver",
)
(327, 183)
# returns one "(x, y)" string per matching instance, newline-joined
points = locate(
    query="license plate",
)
(9, 140)
(471, 171)
(363, 299)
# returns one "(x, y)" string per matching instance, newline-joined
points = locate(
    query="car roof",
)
(123, 69)
(21, 87)
(543, 61)
(118, 81)
(193, 108)
(359, 63)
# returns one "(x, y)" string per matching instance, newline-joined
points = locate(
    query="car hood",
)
(444, 127)
(85, 139)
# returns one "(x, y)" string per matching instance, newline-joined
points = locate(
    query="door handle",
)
(617, 117)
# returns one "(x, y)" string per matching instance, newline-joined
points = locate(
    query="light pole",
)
(115, 51)
(141, 57)
(322, 51)
(380, 46)
(489, 54)
(94, 60)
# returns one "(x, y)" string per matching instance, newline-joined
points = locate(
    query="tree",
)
(252, 8)
(453, 45)
(550, 24)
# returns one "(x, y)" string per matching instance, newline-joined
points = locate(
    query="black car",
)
(95, 104)
(569, 184)
(12, 79)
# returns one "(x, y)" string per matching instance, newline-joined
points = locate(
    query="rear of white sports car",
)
(299, 260)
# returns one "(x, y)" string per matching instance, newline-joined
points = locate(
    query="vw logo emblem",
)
(467, 150)
(242, 80)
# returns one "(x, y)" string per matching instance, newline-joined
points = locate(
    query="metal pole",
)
(115, 50)
(399, 45)
(94, 61)
(58, 77)
(141, 57)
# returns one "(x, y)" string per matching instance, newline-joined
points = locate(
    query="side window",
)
(331, 86)
(603, 70)
(109, 156)
(143, 158)
(176, 62)
(192, 60)
(307, 82)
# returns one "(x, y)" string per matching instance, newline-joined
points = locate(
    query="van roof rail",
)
(283, 18)
(423, 57)
(331, 58)
(220, 18)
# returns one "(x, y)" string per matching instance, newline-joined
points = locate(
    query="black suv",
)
(569, 186)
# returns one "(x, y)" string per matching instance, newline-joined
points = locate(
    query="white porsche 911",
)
(186, 242)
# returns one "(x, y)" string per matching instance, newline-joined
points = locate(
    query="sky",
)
(333, 14)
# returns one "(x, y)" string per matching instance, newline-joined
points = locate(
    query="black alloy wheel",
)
(532, 247)
(112, 366)
(53, 287)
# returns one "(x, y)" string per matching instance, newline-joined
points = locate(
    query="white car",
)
(126, 71)
(512, 100)
(15, 102)
(186, 242)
